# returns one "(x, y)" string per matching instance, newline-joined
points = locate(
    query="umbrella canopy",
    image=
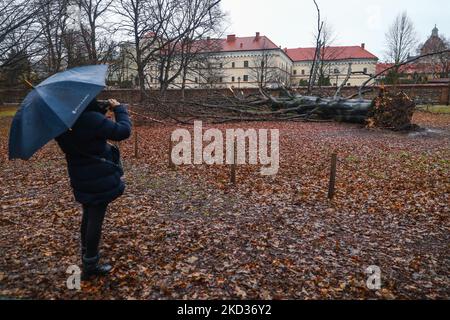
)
(52, 107)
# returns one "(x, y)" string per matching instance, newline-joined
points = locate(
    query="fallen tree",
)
(390, 110)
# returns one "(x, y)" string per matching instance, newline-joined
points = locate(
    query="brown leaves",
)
(188, 234)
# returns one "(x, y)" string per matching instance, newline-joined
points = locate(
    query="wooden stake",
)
(331, 186)
(136, 143)
(233, 166)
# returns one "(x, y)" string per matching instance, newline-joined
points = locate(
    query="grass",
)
(7, 111)
(435, 109)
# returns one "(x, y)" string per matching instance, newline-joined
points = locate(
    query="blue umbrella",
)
(52, 108)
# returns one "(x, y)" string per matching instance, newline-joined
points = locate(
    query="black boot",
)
(91, 268)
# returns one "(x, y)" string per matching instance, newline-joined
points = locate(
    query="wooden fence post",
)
(171, 164)
(233, 165)
(331, 186)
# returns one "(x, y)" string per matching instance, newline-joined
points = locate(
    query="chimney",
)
(363, 46)
(285, 49)
(231, 38)
(208, 39)
(257, 36)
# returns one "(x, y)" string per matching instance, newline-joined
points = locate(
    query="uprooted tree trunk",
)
(388, 110)
(292, 107)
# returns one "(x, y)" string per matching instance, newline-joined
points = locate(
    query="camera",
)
(104, 105)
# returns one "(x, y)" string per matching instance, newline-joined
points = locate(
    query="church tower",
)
(435, 32)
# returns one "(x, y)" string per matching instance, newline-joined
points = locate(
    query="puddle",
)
(427, 133)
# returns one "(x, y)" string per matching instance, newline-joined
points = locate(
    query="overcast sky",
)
(291, 23)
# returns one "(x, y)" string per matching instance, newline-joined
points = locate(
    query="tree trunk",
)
(141, 76)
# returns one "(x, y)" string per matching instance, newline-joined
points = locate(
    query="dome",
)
(434, 43)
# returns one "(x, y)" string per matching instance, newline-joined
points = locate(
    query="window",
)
(245, 64)
(245, 78)
(303, 72)
(336, 71)
(365, 70)
(233, 65)
(221, 65)
(295, 72)
(220, 79)
(262, 64)
(196, 80)
(232, 79)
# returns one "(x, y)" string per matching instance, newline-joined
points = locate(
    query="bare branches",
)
(18, 30)
(168, 36)
(265, 71)
(397, 66)
(401, 39)
(349, 73)
(314, 66)
(98, 44)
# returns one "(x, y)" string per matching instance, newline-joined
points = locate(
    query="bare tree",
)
(264, 70)
(143, 21)
(96, 29)
(192, 21)
(18, 30)
(199, 63)
(401, 39)
(317, 52)
(164, 35)
(53, 22)
(328, 55)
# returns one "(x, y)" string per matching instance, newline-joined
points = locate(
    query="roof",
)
(410, 68)
(383, 66)
(233, 43)
(331, 53)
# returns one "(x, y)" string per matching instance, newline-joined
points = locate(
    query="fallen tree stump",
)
(391, 111)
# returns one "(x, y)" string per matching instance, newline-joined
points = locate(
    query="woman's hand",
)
(113, 103)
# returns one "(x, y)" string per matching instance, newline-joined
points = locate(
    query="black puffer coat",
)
(93, 181)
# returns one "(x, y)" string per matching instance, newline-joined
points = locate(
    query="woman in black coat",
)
(95, 172)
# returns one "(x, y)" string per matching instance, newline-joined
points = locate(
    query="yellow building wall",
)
(231, 71)
(301, 71)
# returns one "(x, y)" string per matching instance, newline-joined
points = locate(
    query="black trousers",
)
(91, 228)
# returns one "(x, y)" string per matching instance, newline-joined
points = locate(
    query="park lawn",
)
(189, 234)
(7, 111)
(435, 108)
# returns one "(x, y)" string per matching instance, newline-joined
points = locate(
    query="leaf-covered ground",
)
(187, 233)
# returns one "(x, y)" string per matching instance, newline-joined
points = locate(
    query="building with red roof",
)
(239, 62)
(242, 62)
(334, 64)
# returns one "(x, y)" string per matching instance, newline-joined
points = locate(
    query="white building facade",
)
(252, 62)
